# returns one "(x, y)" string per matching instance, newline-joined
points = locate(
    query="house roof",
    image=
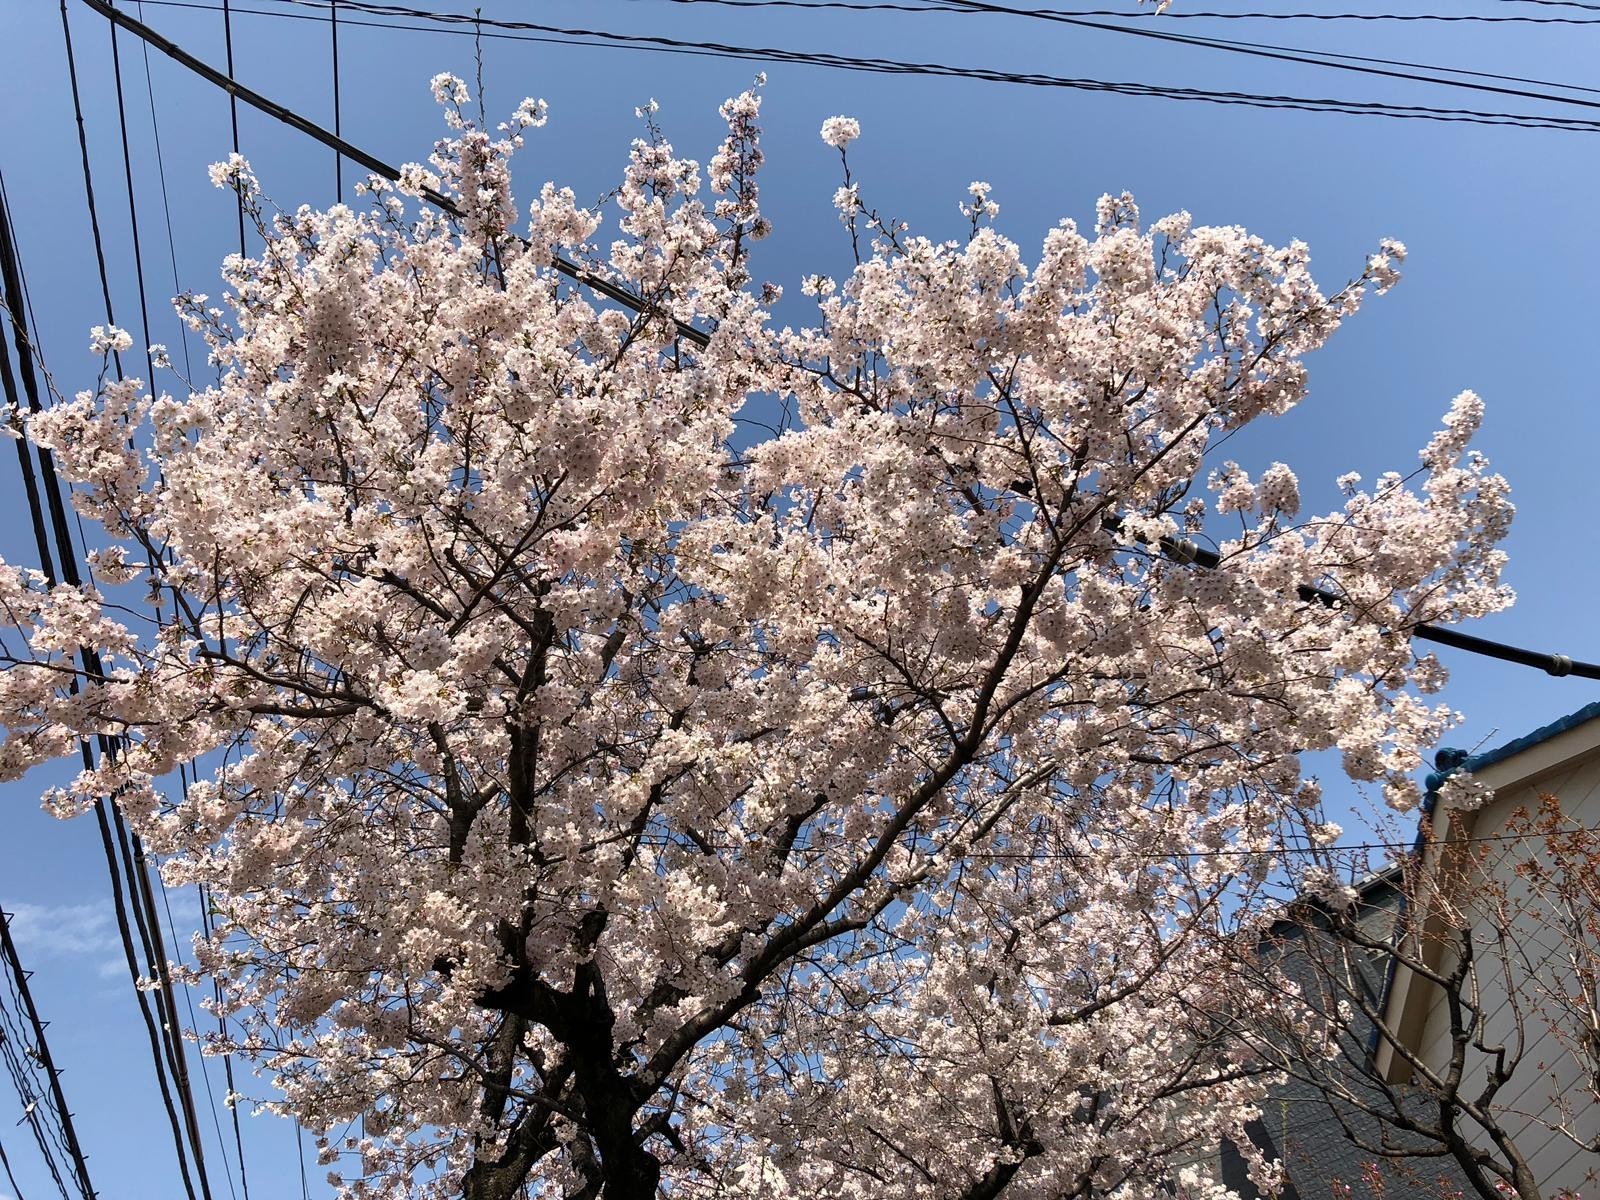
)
(1450, 760)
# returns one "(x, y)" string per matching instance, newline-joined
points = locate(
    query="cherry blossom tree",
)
(804, 764)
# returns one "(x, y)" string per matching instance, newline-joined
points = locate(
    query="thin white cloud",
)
(84, 933)
(63, 930)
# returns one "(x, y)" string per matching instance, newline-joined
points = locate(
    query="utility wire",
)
(1186, 550)
(41, 1049)
(233, 102)
(949, 6)
(145, 919)
(5, 1164)
(194, 1023)
(1294, 54)
(601, 39)
(133, 208)
(222, 1029)
(1277, 851)
(166, 203)
(11, 280)
(338, 159)
(1069, 16)
(559, 35)
(294, 120)
(22, 1063)
(1557, 4)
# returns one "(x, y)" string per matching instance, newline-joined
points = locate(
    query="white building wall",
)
(1514, 979)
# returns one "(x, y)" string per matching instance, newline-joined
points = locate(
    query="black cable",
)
(222, 1029)
(563, 36)
(300, 1147)
(166, 204)
(1557, 4)
(294, 120)
(41, 1048)
(1182, 14)
(30, 483)
(133, 208)
(194, 1023)
(338, 159)
(11, 281)
(1185, 550)
(23, 1065)
(148, 926)
(950, 6)
(5, 1164)
(956, 6)
(36, 1109)
(88, 183)
(233, 103)
(138, 881)
(144, 909)
(31, 1116)
(1294, 54)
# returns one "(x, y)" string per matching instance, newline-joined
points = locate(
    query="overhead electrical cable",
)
(11, 280)
(145, 919)
(1557, 4)
(233, 102)
(1184, 14)
(1186, 550)
(65, 556)
(1287, 849)
(22, 1064)
(1293, 54)
(166, 202)
(41, 1050)
(209, 929)
(949, 6)
(294, 120)
(338, 159)
(567, 36)
(133, 208)
(1314, 56)
(194, 1023)
(155, 128)
(5, 1164)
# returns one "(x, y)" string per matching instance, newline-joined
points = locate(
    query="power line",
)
(1558, 4)
(133, 208)
(233, 103)
(138, 878)
(41, 1051)
(5, 1164)
(11, 278)
(953, 6)
(1186, 550)
(1102, 852)
(166, 203)
(338, 159)
(1286, 54)
(560, 35)
(1071, 17)
(1185, 14)
(294, 120)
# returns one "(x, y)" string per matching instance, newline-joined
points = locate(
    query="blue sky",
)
(1499, 293)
